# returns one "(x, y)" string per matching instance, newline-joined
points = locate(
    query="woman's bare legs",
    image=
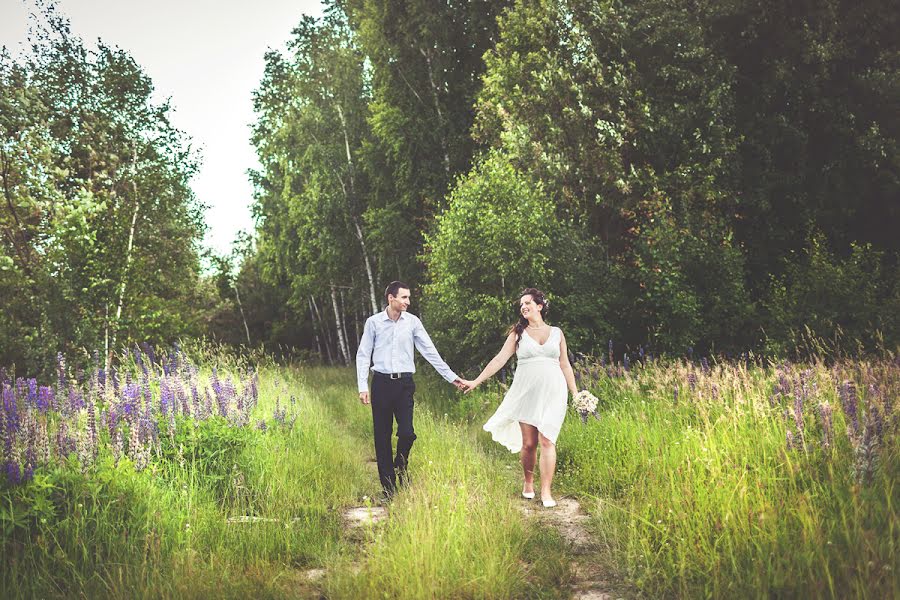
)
(528, 455)
(548, 466)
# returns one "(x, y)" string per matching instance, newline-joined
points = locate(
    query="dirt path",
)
(591, 581)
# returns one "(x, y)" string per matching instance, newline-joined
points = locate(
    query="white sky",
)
(207, 56)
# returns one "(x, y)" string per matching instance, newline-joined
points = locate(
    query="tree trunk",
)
(344, 324)
(324, 330)
(342, 343)
(369, 271)
(351, 197)
(437, 109)
(122, 285)
(241, 308)
(312, 315)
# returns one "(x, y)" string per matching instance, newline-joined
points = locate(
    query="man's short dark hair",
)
(394, 287)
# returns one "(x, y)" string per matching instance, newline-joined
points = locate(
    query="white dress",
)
(537, 395)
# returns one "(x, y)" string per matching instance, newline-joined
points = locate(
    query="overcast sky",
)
(207, 56)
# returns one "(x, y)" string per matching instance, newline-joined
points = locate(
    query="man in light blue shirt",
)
(387, 347)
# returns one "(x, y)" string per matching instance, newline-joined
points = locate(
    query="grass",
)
(116, 532)
(750, 481)
(701, 497)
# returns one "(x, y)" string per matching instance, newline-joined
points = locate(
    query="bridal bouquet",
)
(585, 403)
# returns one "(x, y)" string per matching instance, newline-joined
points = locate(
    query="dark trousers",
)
(392, 398)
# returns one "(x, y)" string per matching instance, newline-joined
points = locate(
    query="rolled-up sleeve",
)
(364, 356)
(426, 348)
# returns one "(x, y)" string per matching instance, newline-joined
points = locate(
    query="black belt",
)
(392, 375)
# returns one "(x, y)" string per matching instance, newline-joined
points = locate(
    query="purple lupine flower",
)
(627, 362)
(166, 397)
(704, 365)
(690, 353)
(714, 389)
(76, 401)
(42, 443)
(13, 474)
(279, 413)
(92, 426)
(641, 352)
(28, 471)
(611, 352)
(261, 425)
(84, 449)
(139, 360)
(65, 445)
(112, 419)
(61, 373)
(44, 399)
(114, 377)
(850, 405)
(131, 402)
(32, 396)
(148, 350)
(692, 380)
(118, 445)
(186, 404)
(195, 399)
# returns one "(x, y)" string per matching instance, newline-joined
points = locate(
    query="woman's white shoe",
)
(549, 503)
(528, 495)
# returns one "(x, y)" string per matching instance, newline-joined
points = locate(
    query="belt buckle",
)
(394, 375)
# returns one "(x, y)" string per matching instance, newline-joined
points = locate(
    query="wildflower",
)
(13, 474)
(850, 405)
(44, 398)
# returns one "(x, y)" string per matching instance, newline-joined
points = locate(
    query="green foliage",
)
(822, 293)
(95, 187)
(494, 239)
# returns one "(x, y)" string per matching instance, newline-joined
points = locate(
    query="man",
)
(387, 345)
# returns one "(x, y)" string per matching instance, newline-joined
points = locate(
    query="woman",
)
(533, 409)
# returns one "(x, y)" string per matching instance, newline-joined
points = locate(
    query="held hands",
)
(364, 397)
(467, 386)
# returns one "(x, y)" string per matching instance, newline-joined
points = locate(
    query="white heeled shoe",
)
(528, 495)
(548, 503)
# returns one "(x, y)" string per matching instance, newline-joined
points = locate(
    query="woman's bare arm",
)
(506, 352)
(565, 365)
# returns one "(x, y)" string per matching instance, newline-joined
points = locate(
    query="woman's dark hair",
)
(394, 287)
(538, 297)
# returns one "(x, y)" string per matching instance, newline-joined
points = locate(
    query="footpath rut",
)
(590, 580)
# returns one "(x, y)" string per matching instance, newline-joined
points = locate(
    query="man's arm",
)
(426, 348)
(364, 360)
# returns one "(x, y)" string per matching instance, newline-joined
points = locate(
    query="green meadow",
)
(749, 481)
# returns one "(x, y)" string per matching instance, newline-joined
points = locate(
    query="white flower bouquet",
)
(585, 403)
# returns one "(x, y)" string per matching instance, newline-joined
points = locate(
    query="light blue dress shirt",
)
(387, 346)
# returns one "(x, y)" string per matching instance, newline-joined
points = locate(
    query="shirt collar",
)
(387, 317)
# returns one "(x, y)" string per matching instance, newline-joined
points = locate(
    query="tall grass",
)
(240, 506)
(108, 529)
(735, 486)
(455, 532)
